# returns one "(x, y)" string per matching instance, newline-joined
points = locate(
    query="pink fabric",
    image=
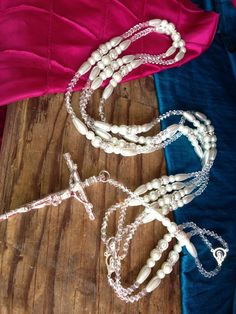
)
(234, 3)
(44, 42)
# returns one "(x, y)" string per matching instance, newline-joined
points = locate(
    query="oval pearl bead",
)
(96, 83)
(198, 151)
(128, 152)
(143, 274)
(102, 125)
(85, 67)
(136, 63)
(103, 134)
(107, 92)
(181, 177)
(134, 202)
(212, 154)
(190, 117)
(201, 116)
(154, 22)
(128, 58)
(179, 56)
(108, 71)
(171, 130)
(141, 189)
(115, 41)
(94, 73)
(187, 199)
(125, 44)
(178, 185)
(153, 284)
(170, 51)
(191, 249)
(80, 126)
(148, 218)
(131, 137)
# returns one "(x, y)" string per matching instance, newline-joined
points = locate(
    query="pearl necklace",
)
(116, 247)
(105, 63)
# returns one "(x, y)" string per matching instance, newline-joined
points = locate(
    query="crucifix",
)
(75, 190)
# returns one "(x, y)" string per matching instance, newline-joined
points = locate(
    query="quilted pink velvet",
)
(42, 43)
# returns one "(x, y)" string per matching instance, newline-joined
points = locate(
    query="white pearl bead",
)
(103, 76)
(150, 263)
(117, 77)
(109, 149)
(167, 237)
(166, 267)
(108, 44)
(125, 44)
(149, 186)
(91, 60)
(120, 62)
(161, 202)
(153, 284)
(162, 244)
(84, 68)
(96, 55)
(169, 188)
(103, 49)
(156, 183)
(101, 65)
(177, 248)
(143, 274)
(160, 274)
(96, 142)
(146, 198)
(90, 135)
(115, 129)
(172, 228)
(162, 190)
(80, 126)
(106, 60)
(155, 254)
(113, 82)
(108, 71)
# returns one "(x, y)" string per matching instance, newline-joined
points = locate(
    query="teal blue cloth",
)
(208, 84)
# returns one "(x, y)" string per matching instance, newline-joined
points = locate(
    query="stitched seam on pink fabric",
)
(49, 48)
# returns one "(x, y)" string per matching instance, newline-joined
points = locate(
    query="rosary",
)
(161, 195)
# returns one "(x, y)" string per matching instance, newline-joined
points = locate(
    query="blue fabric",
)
(208, 84)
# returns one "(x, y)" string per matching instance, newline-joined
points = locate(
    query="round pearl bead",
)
(115, 129)
(168, 237)
(177, 248)
(149, 186)
(150, 263)
(161, 202)
(173, 227)
(146, 198)
(90, 135)
(155, 254)
(162, 244)
(160, 274)
(166, 267)
(156, 183)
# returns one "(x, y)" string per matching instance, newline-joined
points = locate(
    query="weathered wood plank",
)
(52, 260)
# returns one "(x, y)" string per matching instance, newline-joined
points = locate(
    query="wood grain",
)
(52, 259)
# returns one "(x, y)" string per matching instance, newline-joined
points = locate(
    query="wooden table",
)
(52, 259)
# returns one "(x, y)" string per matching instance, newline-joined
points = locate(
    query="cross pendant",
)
(74, 190)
